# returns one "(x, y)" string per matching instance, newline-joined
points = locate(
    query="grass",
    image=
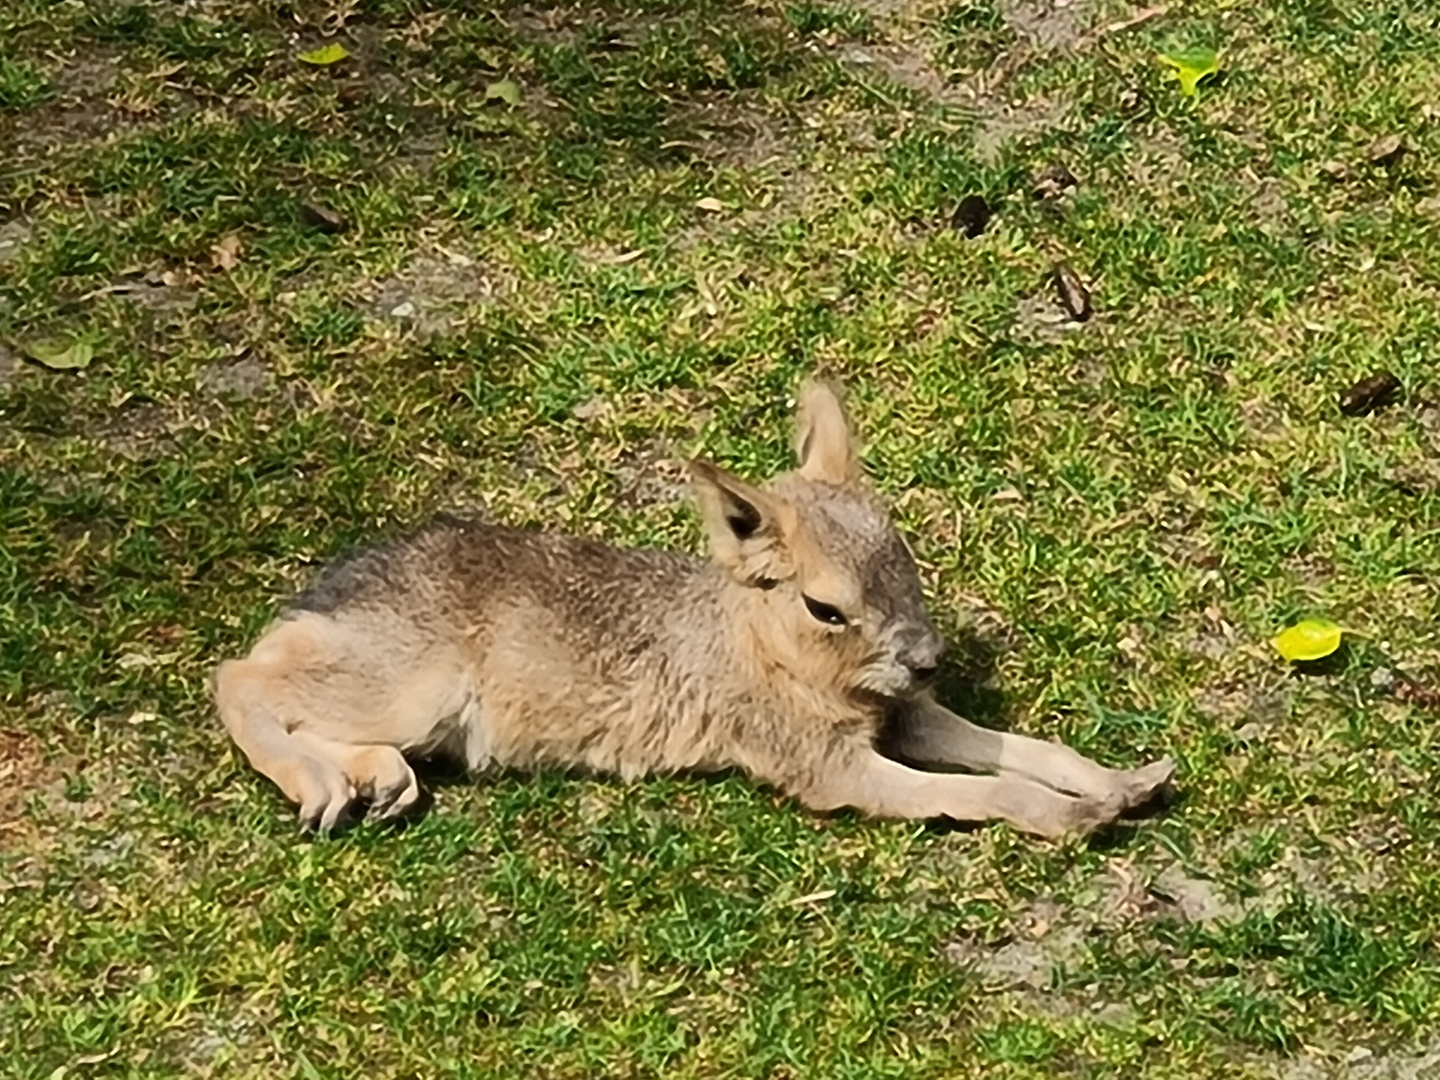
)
(532, 312)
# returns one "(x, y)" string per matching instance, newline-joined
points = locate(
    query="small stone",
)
(1383, 680)
(1385, 150)
(589, 410)
(1337, 171)
(1359, 1054)
(1249, 733)
(403, 310)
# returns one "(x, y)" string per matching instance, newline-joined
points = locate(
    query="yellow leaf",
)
(505, 90)
(60, 357)
(1191, 66)
(1308, 640)
(326, 54)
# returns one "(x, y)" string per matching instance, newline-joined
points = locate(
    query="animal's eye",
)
(826, 613)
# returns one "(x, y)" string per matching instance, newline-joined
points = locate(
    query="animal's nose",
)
(922, 656)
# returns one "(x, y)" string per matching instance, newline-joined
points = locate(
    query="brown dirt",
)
(23, 773)
(729, 130)
(1361, 1063)
(10, 366)
(140, 431)
(244, 378)
(1048, 25)
(1003, 122)
(905, 66)
(430, 293)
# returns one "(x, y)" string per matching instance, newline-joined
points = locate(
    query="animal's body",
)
(785, 654)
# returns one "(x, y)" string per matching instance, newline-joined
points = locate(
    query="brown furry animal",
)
(783, 655)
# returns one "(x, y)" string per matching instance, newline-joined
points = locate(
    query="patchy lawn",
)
(325, 302)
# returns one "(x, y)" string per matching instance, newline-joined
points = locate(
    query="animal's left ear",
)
(749, 528)
(823, 441)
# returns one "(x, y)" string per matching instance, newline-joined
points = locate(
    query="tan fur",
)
(510, 648)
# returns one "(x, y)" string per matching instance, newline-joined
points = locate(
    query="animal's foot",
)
(326, 796)
(1140, 786)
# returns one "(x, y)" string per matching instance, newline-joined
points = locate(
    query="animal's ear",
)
(748, 527)
(823, 441)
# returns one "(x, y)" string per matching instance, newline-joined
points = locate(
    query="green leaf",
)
(325, 55)
(1308, 640)
(505, 90)
(1190, 66)
(61, 357)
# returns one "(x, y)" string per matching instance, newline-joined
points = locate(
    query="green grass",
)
(1113, 521)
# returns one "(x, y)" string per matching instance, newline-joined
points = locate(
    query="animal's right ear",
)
(823, 440)
(748, 527)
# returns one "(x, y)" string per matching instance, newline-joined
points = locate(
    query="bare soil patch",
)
(24, 773)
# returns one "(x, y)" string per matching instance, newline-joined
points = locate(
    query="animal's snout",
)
(922, 655)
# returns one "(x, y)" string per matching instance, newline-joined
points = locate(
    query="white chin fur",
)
(890, 680)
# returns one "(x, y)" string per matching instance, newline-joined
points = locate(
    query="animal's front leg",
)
(875, 785)
(926, 733)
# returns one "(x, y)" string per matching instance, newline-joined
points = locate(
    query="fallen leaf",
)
(812, 898)
(325, 55)
(323, 218)
(706, 290)
(710, 205)
(589, 410)
(1311, 639)
(225, 255)
(59, 357)
(971, 216)
(1370, 393)
(1191, 66)
(1074, 296)
(505, 90)
(621, 258)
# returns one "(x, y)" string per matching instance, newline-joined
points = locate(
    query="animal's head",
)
(835, 589)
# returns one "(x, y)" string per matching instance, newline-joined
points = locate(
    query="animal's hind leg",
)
(253, 704)
(324, 706)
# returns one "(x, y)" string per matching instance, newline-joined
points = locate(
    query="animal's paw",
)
(383, 776)
(1088, 815)
(1063, 816)
(326, 795)
(1140, 786)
